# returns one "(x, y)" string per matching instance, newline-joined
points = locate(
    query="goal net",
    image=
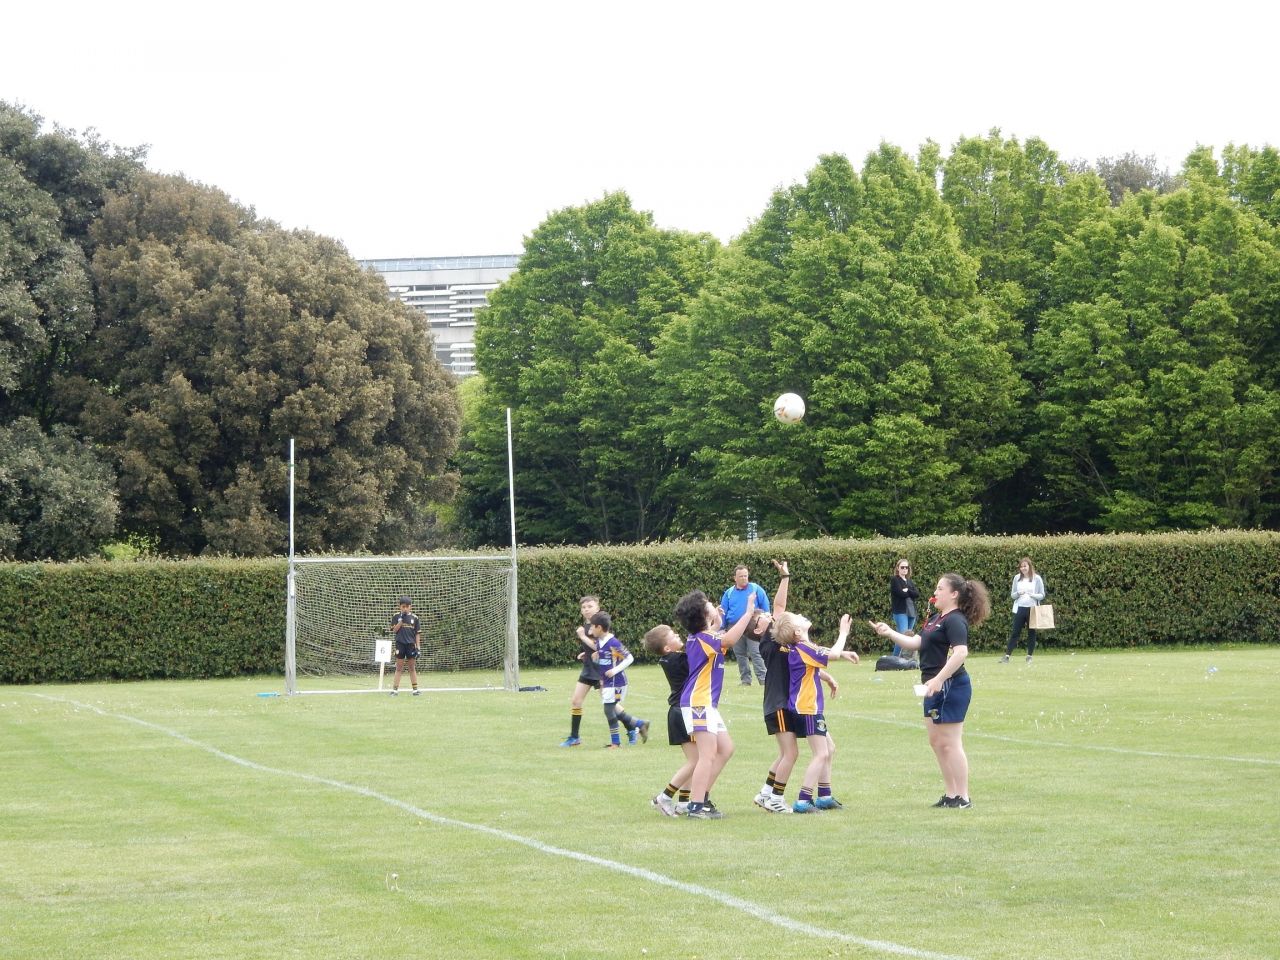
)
(339, 608)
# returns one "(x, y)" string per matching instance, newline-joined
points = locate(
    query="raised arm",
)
(734, 633)
(838, 647)
(784, 580)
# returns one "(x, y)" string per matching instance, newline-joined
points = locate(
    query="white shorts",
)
(703, 720)
(612, 694)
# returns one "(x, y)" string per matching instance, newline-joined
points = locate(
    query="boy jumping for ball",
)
(780, 722)
(807, 662)
(700, 698)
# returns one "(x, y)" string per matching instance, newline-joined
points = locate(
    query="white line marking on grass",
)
(756, 910)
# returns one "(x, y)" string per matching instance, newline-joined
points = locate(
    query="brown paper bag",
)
(1042, 617)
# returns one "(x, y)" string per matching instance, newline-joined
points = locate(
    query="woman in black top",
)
(902, 600)
(943, 646)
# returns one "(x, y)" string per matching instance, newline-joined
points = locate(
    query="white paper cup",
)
(919, 688)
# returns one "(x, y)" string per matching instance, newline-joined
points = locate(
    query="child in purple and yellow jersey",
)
(613, 659)
(807, 661)
(700, 697)
(780, 722)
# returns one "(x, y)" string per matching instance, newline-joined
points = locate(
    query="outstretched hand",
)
(781, 567)
(880, 627)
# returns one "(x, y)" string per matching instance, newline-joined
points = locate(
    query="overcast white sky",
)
(433, 129)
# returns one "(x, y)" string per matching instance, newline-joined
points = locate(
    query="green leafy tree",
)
(221, 336)
(567, 343)
(854, 292)
(57, 495)
(1159, 405)
(1131, 173)
(999, 192)
(52, 185)
(1253, 178)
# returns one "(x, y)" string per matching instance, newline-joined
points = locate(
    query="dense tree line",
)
(991, 341)
(159, 345)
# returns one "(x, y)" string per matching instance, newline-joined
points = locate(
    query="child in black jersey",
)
(669, 648)
(589, 677)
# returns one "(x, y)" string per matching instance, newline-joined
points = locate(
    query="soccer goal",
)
(340, 609)
(339, 612)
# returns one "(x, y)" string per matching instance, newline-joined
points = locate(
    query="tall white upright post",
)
(511, 668)
(290, 618)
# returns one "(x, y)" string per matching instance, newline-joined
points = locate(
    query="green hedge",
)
(139, 620)
(1107, 591)
(204, 618)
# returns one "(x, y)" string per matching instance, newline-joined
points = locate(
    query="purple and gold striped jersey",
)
(805, 661)
(706, 671)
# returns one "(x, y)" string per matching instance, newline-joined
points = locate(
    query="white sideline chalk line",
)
(727, 899)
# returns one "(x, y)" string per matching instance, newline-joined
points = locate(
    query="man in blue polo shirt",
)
(734, 604)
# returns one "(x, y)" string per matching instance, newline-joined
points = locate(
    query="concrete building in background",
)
(448, 290)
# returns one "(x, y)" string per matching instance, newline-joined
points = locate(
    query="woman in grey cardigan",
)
(1026, 592)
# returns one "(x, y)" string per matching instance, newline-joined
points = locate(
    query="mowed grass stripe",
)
(146, 848)
(755, 910)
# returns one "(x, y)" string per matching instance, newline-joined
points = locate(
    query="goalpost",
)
(339, 610)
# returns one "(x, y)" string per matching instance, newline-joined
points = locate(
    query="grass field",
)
(1126, 805)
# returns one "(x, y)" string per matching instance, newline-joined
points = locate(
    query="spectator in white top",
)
(1026, 592)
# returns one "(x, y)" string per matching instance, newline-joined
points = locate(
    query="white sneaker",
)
(775, 804)
(682, 807)
(762, 798)
(664, 804)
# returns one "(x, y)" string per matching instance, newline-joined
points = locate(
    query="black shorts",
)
(677, 732)
(811, 725)
(784, 721)
(592, 680)
(406, 651)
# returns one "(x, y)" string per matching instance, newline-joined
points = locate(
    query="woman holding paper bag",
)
(1026, 592)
